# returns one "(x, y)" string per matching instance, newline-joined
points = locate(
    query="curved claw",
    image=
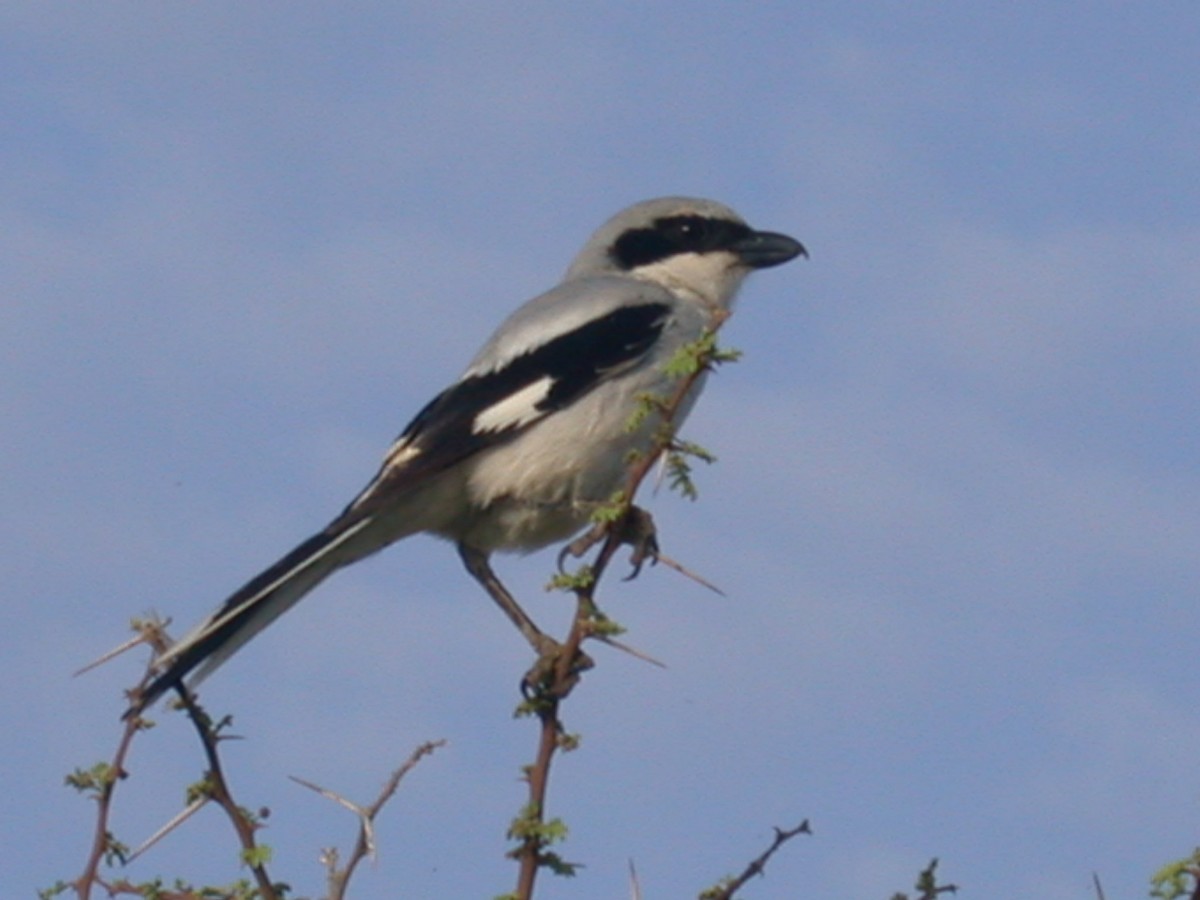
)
(646, 548)
(639, 532)
(561, 561)
(580, 546)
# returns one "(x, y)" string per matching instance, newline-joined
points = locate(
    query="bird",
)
(518, 452)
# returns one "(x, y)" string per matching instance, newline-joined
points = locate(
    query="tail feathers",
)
(252, 608)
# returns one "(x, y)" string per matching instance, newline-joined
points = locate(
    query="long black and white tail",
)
(252, 608)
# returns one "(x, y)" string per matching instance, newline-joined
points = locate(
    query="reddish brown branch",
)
(101, 838)
(531, 853)
(151, 633)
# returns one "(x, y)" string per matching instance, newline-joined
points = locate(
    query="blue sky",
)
(957, 510)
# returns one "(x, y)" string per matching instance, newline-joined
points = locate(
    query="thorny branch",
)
(244, 823)
(531, 829)
(101, 782)
(726, 889)
(103, 844)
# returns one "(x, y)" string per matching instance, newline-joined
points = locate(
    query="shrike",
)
(518, 452)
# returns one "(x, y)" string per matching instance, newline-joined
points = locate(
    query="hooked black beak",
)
(763, 249)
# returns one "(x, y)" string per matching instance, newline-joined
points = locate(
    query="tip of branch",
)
(632, 651)
(688, 573)
(148, 631)
(635, 887)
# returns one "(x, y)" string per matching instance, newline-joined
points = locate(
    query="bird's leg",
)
(547, 649)
(636, 529)
(477, 564)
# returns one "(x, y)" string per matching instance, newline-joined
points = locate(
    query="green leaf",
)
(258, 855)
(572, 581)
(717, 890)
(94, 780)
(1177, 879)
(558, 865)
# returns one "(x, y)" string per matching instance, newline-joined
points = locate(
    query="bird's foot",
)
(546, 674)
(636, 529)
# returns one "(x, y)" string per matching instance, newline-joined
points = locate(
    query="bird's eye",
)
(687, 232)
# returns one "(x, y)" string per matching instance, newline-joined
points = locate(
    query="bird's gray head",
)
(698, 247)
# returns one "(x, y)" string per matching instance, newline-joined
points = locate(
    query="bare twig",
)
(726, 890)
(339, 877)
(178, 819)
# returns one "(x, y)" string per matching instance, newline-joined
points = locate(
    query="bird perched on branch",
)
(518, 452)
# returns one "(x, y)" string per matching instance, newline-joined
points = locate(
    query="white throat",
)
(711, 279)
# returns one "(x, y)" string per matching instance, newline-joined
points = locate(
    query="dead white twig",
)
(339, 879)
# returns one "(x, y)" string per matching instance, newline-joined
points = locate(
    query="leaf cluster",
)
(1180, 878)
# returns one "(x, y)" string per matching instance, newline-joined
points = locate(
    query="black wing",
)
(472, 414)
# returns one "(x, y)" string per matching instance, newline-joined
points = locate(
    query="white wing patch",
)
(516, 409)
(400, 453)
